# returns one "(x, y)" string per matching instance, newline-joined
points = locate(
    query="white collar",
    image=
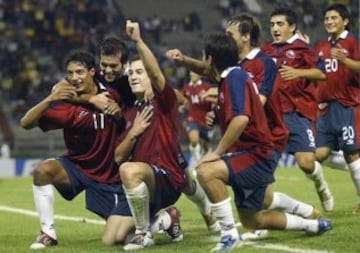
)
(342, 35)
(226, 72)
(252, 54)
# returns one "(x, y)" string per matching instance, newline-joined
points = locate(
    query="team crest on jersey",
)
(321, 53)
(221, 97)
(128, 124)
(290, 54)
(83, 113)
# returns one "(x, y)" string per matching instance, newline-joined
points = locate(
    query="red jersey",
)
(90, 138)
(342, 84)
(197, 107)
(238, 95)
(298, 95)
(262, 70)
(158, 144)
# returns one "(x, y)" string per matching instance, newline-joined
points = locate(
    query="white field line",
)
(284, 248)
(57, 217)
(259, 245)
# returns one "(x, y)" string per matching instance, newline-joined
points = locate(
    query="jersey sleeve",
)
(57, 116)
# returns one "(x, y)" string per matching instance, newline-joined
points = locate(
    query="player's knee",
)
(128, 171)
(321, 155)
(108, 240)
(43, 174)
(306, 163)
(204, 174)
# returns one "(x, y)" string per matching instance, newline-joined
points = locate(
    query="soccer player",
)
(244, 157)
(299, 68)
(245, 30)
(338, 125)
(199, 133)
(90, 138)
(151, 164)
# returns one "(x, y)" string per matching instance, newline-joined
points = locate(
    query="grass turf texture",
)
(18, 231)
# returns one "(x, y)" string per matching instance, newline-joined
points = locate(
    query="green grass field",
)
(17, 231)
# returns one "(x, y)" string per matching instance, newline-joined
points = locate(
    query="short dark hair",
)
(248, 24)
(223, 50)
(134, 57)
(113, 45)
(289, 14)
(83, 57)
(342, 10)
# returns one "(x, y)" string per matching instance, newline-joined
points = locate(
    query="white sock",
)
(44, 202)
(162, 222)
(200, 199)
(294, 222)
(195, 152)
(336, 161)
(223, 213)
(318, 177)
(138, 199)
(355, 175)
(290, 205)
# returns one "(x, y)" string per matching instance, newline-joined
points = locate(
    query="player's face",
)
(280, 29)
(138, 77)
(194, 77)
(111, 67)
(233, 31)
(334, 23)
(80, 77)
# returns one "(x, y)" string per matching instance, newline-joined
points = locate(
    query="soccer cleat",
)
(326, 198)
(316, 214)
(227, 242)
(211, 222)
(255, 235)
(323, 226)
(42, 241)
(140, 241)
(174, 231)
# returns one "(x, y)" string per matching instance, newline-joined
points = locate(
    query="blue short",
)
(339, 128)
(165, 194)
(250, 172)
(101, 198)
(301, 130)
(206, 133)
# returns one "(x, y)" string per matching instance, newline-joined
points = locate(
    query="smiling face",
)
(280, 29)
(138, 77)
(80, 77)
(111, 67)
(334, 23)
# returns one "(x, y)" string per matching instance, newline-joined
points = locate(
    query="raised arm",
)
(198, 66)
(150, 63)
(63, 91)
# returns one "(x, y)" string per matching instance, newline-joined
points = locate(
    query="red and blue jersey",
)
(158, 145)
(297, 95)
(197, 107)
(238, 95)
(263, 71)
(342, 84)
(90, 138)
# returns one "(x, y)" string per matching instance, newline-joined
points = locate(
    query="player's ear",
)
(92, 71)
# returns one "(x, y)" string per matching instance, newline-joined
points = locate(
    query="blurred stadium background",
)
(36, 34)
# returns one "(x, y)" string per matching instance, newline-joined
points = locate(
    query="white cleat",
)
(255, 235)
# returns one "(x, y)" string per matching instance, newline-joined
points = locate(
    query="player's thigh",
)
(133, 173)
(213, 170)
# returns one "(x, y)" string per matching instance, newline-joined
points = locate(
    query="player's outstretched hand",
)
(133, 30)
(175, 55)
